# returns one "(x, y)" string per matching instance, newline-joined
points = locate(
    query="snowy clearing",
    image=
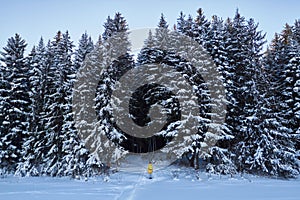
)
(135, 185)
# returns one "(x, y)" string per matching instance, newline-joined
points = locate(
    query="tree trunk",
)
(196, 160)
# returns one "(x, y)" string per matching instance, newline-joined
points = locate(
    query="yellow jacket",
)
(150, 168)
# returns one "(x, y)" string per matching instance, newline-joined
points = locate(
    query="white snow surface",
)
(131, 183)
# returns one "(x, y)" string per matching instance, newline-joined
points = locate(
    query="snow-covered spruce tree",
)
(84, 104)
(212, 34)
(201, 27)
(37, 64)
(148, 96)
(5, 142)
(274, 150)
(192, 148)
(52, 140)
(281, 66)
(181, 23)
(58, 140)
(221, 159)
(162, 33)
(155, 52)
(29, 165)
(50, 144)
(85, 46)
(117, 61)
(295, 68)
(243, 45)
(15, 101)
(185, 26)
(74, 153)
(150, 41)
(109, 28)
(162, 22)
(231, 73)
(287, 80)
(40, 136)
(296, 31)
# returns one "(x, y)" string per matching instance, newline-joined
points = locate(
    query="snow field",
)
(168, 183)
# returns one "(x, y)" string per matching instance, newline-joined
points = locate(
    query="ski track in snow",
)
(130, 191)
(141, 178)
(138, 184)
(131, 184)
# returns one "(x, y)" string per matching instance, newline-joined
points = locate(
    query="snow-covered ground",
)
(134, 184)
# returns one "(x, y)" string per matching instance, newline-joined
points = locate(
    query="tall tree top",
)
(162, 22)
(67, 42)
(108, 28)
(14, 50)
(150, 41)
(33, 50)
(287, 34)
(201, 27)
(112, 26)
(201, 19)
(275, 40)
(85, 46)
(296, 30)
(85, 41)
(120, 22)
(58, 36)
(181, 22)
(41, 46)
(237, 14)
(238, 20)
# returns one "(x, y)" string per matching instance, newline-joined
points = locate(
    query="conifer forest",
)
(260, 134)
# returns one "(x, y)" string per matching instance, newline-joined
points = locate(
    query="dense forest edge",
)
(260, 135)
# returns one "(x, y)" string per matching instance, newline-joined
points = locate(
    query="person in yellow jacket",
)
(150, 169)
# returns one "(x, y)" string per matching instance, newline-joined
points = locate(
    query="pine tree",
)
(295, 67)
(282, 77)
(213, 36)
(57, 105)
(109, 28)
(150, 41)
(221, 158)
(181, 23)
(5, 143)
(74, 153)
(184, 26)
(118, 61)
(162, 22)
(201, 27)
(17, 103)
(243, 47)
(36, 62)
(274, 149)
(162, 34)
(85, 46)
(85, 117)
